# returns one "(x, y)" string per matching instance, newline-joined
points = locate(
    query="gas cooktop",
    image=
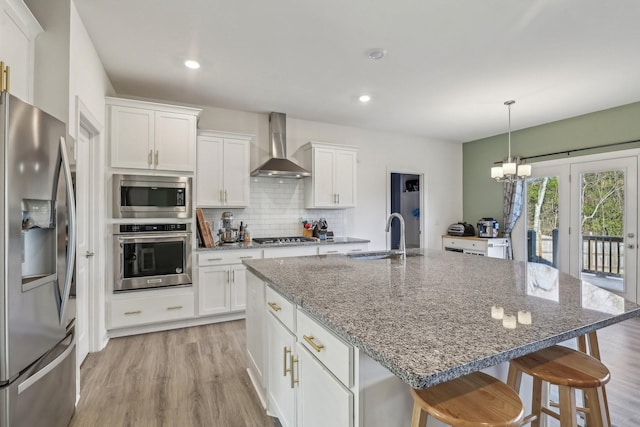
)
(292, 239)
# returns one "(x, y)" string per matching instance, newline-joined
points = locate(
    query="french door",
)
(604, 221)
(582, 218)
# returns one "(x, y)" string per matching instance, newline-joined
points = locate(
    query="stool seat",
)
(570, 370)
(563, 366)
(473, 400)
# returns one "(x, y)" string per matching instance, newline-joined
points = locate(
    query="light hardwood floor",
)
(192, 377)
(196, 377)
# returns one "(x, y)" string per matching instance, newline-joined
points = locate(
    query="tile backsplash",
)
(276, 209)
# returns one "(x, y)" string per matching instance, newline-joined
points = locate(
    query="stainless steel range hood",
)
(278, 166)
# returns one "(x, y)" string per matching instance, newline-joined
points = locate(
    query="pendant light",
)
(512, 168)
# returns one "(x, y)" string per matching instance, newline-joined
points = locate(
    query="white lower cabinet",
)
(305, 369)
(222, 281)
(140, 308)
(310, 376)
(280, 372)
(322, 399)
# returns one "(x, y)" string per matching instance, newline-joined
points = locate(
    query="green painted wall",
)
(482, 196)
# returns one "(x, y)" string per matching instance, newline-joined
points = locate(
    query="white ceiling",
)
(450, 64)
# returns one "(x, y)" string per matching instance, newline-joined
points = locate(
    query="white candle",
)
(524, 317)
(509, 321)
(497, 312)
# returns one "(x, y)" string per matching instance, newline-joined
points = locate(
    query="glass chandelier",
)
(512, 168)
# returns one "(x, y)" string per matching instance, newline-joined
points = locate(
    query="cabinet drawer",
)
(334, 353)
(290, 251)
(138, 311)
(281, 308)
(343, 248)
(228, 257)
(478, 245)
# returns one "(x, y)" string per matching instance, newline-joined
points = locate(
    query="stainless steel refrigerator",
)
(37, 236)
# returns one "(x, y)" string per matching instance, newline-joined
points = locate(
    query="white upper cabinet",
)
(18, 30)
(332, 183)
(151, 136)
(222, 170)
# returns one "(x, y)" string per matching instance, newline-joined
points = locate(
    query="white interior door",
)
(604, 224)
(84, 180)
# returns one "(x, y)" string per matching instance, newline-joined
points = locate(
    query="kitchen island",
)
(429, 319)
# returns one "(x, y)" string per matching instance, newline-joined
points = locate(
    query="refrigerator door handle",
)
(23, 386)
(71, 242)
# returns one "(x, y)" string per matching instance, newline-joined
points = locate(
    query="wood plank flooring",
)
(197, 377)
(185, 377)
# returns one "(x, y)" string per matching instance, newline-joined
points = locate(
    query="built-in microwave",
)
(151, 256)
(151, 196)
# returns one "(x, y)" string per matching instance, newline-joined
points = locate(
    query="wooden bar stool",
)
(474, 400)
(569, 370)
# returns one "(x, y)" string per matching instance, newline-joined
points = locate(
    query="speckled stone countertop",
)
(253, 245)
(429, 319)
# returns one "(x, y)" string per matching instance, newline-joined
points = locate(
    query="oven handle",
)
(152, 237)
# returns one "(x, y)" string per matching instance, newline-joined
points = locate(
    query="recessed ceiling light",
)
(194, 65)
(364, 98)
(376, 53)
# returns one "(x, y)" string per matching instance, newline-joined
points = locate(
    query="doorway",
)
(406, 200)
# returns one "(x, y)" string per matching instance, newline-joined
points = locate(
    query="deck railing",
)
(601, 255)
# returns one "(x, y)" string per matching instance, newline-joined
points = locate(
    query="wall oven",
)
(151, 256)
(151, 196)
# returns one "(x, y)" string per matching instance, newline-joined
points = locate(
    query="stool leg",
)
(514, 378)
(419, 418)
(595, 352)
(536, 402)
(567, 407)
(597, 416)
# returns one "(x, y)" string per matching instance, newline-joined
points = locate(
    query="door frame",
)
(423, 191)
(95, 293)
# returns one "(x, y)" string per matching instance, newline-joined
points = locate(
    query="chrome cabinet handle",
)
(150, 158)
(225, 196)
(175, 307)
(129, 313)
(156, 158)
(89, 254)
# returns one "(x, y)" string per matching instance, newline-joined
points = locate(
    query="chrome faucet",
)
(403, 246)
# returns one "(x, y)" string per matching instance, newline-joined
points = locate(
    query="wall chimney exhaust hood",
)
(278, 166)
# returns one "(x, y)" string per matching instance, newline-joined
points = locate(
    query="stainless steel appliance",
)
(488, 227)
(228, 234)
(151, 256)
(151, 196)
(276, 240)
(37, 342)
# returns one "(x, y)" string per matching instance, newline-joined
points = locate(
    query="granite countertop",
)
(253, 245)
(429, 319)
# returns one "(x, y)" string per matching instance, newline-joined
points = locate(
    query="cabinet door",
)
(281, 394)
(321, 400)
(323, 178)
(209, 172)
(345, 181)
(214, 289)
(18, 29)
(236, 172)
(131, 134)
(238, 287)
(256, 328)
(175, 141)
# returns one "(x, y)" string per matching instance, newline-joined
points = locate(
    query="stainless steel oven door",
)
(141, 196)
(144, 261)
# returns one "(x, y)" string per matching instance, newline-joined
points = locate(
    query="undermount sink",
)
(381, 255)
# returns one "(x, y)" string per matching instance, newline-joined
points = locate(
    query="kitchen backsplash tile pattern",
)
(276, 208)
